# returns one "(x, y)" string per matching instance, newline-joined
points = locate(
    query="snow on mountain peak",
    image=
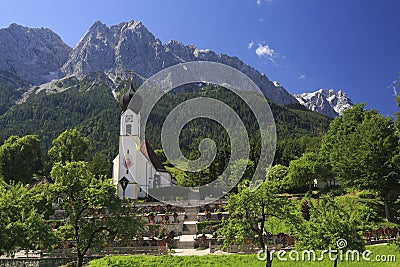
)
(325, 101)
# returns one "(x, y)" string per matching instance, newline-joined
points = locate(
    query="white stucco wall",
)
(141, 171)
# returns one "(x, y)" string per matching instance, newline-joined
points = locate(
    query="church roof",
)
(131, 100)
(146, 149)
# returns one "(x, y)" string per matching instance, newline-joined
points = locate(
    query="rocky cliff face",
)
(325, 101)
(130, 45)
(39, 55)
(35, 55)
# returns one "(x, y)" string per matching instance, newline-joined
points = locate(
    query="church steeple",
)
(136, 166)
(131, 100)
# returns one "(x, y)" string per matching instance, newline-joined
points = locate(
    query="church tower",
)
(136, 169)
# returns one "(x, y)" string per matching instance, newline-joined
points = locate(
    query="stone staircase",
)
(191, 213)
(186, 240)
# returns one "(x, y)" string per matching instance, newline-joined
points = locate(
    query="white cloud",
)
(302, 77)
(394, 86)
(250, 45)
(266, 51)
(259, 2)
(260, 19)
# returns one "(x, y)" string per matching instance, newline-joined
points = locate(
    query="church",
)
(136, 169)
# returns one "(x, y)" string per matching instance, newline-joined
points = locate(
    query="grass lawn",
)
(241, 260)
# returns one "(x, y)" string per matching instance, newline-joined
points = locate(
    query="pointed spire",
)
(131, 72)
(125, 101)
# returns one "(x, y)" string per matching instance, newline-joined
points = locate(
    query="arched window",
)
(129, 129)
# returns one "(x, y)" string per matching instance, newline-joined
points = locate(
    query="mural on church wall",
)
(128, 160)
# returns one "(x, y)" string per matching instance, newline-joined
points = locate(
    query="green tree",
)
(94, 212)
(100, 165)
(208, 174)
(398, 99)
(249, 212)
(329, 226)
(288, 150)
(68, 146)
(363, 152)
(397, 123)
(20, 158)
(238, 165)
(304, 171)
(277, 175)
(21, 219)
(292, 148)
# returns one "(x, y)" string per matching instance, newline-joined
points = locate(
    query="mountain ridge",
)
(34, 54)
(40, 57)
(326, 101)
(130, 45)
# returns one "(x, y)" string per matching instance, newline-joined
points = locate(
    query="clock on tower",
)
(128, 118)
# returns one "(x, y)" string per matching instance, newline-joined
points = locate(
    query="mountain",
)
(47, 87)
(116, 49)
(89, 105)
(11, 89)
(324, 101)
(33, 54)
(38, 55)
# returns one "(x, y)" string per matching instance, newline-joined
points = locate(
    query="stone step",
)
(191, 217)
(191, 213)
(191, 210)
(189, 232)
(185, 245)
(186, 242)
(189, 227)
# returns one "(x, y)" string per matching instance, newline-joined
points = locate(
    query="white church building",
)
(136, 169)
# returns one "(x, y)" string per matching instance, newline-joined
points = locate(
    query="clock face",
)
(128, 118)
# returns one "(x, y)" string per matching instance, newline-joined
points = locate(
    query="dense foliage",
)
(20, 158)
(93, 210)
(94, 215)
(362, 149)
(11, 90)
(22, 220)
(327, 223)
(89, 106)
(69, 146)
(249, 212)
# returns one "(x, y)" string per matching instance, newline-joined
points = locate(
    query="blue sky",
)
(352, 45)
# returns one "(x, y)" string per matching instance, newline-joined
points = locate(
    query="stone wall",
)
(34, 262)
(40, 262)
